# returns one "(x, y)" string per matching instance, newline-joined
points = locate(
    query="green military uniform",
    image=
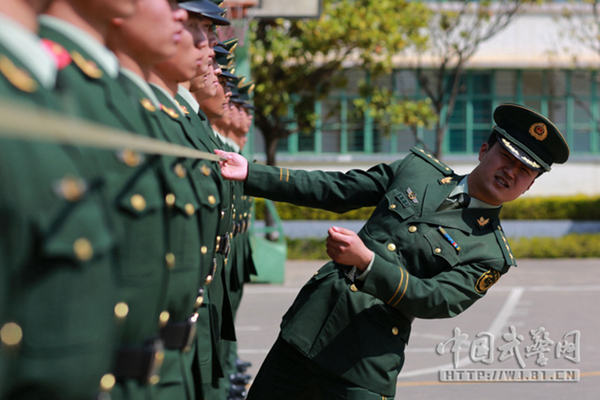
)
(348, 331)
(208, 366)
(212, 281)
(155, 202)
(57, 248)
(366, 325)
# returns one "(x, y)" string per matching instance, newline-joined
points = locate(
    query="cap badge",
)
(538, 131)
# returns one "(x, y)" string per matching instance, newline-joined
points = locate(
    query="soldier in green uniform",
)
(142, 47)
(158, 267)
(57, 249)
(432, 247)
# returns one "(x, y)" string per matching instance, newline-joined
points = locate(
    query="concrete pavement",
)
(542, 301)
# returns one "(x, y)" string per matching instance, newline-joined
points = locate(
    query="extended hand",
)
(345, 247)
(235, 168)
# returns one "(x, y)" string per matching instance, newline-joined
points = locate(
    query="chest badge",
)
(412, 196)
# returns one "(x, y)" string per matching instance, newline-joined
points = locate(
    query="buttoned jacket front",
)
(427, 264)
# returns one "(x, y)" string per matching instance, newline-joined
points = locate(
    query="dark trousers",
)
(288, 374)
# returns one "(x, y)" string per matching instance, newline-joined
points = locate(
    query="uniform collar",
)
(463, 187)
(96, 50)
(142, 85)
(220, 136)
(233, 145)
(167, 94)
(187, 96)
(26, 46)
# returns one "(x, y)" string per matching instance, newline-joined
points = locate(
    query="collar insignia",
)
(205, 170)
(183, 108)
(483, 221)
(18, 77)
(169, 111)
(88, 67)
(446, 180)
(61, 56)
(148, 105)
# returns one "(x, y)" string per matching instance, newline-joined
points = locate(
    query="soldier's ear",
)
(117, 22)
(483, 150)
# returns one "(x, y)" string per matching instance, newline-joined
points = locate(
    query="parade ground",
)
(535, 335)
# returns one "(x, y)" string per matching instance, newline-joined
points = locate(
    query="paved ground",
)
(561, 296)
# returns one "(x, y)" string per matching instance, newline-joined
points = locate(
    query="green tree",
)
(456, 31)
(297, 62)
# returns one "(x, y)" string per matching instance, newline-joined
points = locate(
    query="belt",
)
(223, 244)
(141, 363)
(179, 335)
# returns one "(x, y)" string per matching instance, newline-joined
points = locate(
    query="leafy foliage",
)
(295, 63)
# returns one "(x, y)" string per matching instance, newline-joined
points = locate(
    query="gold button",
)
(205, 170)
(154, 380)
(83, 249)
(316, 273)
(203, 250)
(412, 229)
(163, 318)
(170, 259)
(170, 199)
(393, 207)
(138, 202)
(199, 301)
(130, 158)
(179, 170)
(190, 209)
(208, 279)
(395, 331)
(391, 247)
(212, 199)
(71, 189)
(353, 288)
(121, 310)
(11, 334)
(437, 250)
(107, 382)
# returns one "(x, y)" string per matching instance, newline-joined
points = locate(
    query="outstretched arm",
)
(235, 168)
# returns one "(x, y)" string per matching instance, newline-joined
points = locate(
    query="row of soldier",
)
(121, 271)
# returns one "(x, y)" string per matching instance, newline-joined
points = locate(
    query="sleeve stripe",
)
(403, 293)
(400, 284)
(287, 179)
(280, 174)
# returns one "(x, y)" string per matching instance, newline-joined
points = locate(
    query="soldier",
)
(192, 240)
(57, 249)
(158, 268)
(432, 247)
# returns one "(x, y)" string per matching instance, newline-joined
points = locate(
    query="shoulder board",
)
(432, 160)
(504, 246)
(61, 56)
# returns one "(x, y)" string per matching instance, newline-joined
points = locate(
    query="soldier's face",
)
(218, 105)
(499, 177)
(196, 26)
(154, 31)
(184, 65)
